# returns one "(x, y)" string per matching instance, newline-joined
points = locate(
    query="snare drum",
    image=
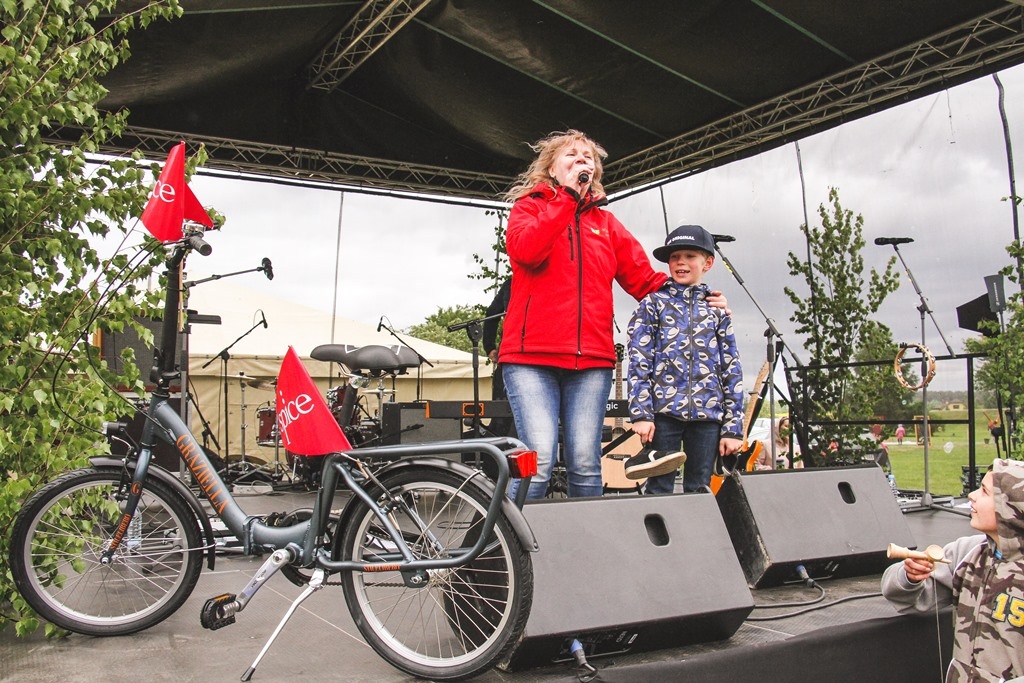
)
(266, 419)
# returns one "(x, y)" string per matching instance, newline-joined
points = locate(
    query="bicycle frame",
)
(304, 539)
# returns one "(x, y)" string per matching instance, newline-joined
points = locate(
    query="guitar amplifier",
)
(406, 423)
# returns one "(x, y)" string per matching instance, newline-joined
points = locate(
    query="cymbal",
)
(268, 384)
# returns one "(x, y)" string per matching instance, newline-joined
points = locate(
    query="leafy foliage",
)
(835, 320)
(1004, 368)
(501, 269)
(56, 290)
(435, 327)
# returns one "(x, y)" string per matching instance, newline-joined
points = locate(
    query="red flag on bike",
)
(304, 421)
(172, 201)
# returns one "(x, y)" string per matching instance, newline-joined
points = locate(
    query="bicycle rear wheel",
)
(465, 619)
(63, 529)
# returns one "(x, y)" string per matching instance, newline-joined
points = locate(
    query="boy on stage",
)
(685, 379)
(984, 580)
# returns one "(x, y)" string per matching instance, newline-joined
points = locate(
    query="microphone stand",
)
(475, 332)
(257, 269)
(775, 344)
(773, 331)
(224, 356)
(266, 269)
(419, 356)
(923, 308)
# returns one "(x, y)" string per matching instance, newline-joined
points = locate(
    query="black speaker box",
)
(629, 574)
(113, 343)
(836, 522)
(164, 454)
(405, 423)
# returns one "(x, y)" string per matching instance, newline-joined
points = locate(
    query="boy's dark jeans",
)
(699, 442)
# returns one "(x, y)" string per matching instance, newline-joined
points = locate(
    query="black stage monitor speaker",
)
(629, 574)
(836, 522)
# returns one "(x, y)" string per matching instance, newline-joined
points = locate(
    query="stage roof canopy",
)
(441, 96)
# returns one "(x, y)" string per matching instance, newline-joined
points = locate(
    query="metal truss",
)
(307, 166)
(371, 27)
(975, 48)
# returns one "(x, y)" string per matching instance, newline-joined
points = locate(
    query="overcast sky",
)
(934, 169)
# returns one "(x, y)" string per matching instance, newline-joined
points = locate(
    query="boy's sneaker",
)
(651, 463)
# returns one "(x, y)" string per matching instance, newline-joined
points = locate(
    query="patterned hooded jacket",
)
(683, 360)
(985, 584)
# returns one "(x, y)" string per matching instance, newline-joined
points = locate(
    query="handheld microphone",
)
(584, 178)
(268, 269)
(264, 315)
(723, 238)
(881, 241)
(380, 324)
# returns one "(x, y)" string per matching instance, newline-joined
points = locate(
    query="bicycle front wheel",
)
(62, 531)
(463, 620)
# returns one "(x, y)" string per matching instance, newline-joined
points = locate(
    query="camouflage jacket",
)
(683, 360)
(986, 587)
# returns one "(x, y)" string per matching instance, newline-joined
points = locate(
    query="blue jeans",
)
(539, 396)
(700, 443)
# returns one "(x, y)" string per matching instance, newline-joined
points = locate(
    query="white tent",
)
(258, 357)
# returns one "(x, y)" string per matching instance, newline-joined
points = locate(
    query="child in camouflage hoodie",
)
(984, 580)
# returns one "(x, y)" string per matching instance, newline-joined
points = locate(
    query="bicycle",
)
(433, 557)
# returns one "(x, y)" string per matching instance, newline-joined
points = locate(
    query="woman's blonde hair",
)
(547, 149)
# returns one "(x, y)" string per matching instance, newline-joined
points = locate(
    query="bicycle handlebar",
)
(200, 245)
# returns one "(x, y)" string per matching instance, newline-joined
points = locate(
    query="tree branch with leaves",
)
(56, 291)
(837, 327)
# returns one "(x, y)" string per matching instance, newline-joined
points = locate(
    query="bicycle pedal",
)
(218, 612)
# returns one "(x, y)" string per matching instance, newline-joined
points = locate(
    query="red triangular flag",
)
(172, 201)
(304, 421)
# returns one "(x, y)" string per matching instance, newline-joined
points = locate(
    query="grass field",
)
(947, 454)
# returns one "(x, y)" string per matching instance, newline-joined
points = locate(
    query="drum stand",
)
(244, 473)
(224, 357)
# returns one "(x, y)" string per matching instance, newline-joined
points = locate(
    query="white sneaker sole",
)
(665, 465)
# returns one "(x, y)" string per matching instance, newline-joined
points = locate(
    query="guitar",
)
(750, 453)
(613, 465)
(620, 351)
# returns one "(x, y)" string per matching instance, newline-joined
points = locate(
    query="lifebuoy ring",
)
(898, 371)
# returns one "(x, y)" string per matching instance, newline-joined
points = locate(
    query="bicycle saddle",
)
(374, 359)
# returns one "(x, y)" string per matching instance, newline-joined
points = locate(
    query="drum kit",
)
(348, 403)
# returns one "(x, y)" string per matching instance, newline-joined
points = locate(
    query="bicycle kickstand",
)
(316, 582)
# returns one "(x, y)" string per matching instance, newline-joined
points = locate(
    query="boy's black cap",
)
(686, 237)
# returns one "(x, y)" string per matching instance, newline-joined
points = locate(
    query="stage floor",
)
(321, 643)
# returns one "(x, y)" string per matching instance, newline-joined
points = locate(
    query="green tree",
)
(835, 321)
(874, 386)
(494, 274)
(1003, 369)
(55, 291)
(435, 327)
